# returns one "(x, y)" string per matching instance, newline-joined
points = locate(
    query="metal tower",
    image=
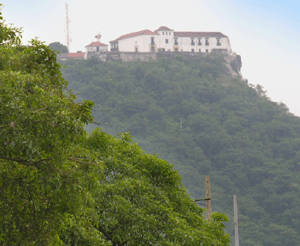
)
(67, 29)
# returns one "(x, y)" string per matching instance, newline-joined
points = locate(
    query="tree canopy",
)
(61, 186)
(41, 181)
(193, 113)
(58, 47)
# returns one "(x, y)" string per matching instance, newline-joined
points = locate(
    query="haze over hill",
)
(195, 114)
(264, 33)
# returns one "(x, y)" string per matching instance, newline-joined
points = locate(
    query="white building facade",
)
(96, 49)
(142, 41)
(167, 40)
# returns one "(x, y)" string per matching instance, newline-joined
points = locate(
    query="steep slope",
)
(193, 113)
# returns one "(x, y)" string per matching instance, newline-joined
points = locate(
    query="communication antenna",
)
(67, 29)
(98, 36)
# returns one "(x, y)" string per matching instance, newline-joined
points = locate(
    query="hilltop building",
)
(165, 39)
(146, 44)
(77, 55)
(97, 49)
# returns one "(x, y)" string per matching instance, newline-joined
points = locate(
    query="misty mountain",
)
(194, 113)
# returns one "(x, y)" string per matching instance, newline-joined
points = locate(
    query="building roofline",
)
(200, 34)
(76, 55)
(164, 28)
(134, 34)
(96, 44)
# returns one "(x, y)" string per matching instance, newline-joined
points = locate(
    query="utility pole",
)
(207, 197)
(180, 125)
(236, 229)
(67, 29)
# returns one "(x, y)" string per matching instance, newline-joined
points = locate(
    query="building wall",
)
(185, 44)
(94, 48)
(137, 56)
(142, 43)
(163, 36)
(101, 55)
(131, 56)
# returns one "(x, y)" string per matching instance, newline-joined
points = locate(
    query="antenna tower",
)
(67, 29)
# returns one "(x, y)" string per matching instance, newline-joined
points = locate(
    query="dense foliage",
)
(141, 201)
(42, 185)
(61, 186)
(58, 47)
(231, 131)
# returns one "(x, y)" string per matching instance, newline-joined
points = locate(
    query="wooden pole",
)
(236, 229)
(207, 197)
(180, 125)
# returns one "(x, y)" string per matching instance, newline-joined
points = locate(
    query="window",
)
(97, 48)
(200, 50)
(218, 42)
(166, 33)
(206, 50)
(206, 42)
(199, 41)
(192, 41)
(193, 50)
(163, 33)
(152, 41)
(114, 46)
(167, 41)
(176, 41)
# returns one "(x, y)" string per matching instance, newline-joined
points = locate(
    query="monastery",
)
(147, 44)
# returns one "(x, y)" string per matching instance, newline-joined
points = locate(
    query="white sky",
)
(265, 33)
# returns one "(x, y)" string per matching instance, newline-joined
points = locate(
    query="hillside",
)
(195, 114)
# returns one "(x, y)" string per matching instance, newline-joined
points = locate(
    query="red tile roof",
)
(76, 55)
(96, 44)
(133, 34)
(164, 28)
(200, 34)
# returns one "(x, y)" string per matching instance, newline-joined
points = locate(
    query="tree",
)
(42, 168)
(58, 47)
(59, 186)
(142, 202)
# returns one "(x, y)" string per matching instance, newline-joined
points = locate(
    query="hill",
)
(195, 114)
(62, 186)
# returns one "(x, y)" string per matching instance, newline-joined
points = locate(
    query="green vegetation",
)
(248, 144)
(58, 47)
(61, 186)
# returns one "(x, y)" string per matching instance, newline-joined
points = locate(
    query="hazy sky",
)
(265, 33)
